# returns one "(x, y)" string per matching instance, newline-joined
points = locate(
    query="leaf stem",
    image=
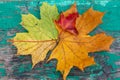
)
(31, 41)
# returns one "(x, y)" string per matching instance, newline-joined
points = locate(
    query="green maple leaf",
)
(41, 35)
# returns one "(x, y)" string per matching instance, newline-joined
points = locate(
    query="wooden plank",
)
(19, 67)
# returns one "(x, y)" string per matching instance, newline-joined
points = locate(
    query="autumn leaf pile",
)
(66, 34)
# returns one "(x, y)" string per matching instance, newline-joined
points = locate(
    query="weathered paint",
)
(19, 67)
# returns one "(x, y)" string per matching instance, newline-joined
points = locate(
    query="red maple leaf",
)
(68, 23)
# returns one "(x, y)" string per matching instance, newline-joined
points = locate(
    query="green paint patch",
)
(2, 72)
(1, 64)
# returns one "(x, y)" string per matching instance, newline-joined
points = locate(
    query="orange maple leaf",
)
(72, 50)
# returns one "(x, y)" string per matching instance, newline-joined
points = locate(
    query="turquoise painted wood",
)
(19, 67)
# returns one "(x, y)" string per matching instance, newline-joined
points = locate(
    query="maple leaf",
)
(73, 50)
(41, 36)
(67, 21)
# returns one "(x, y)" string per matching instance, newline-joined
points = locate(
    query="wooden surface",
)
(19, 67)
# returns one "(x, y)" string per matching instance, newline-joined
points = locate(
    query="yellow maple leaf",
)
(41, 36)
(72, 50)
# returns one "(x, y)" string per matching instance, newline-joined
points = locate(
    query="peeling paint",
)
(14, 67)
